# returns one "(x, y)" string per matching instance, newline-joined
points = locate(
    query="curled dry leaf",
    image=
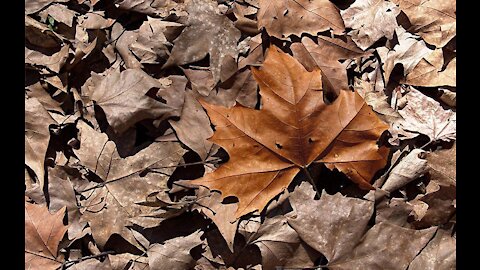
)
(424, 115)
(122, 96)
(285, 142)
(53, 62)
(370, 21)
(43, 233)
(37, 137)
(410, 168)
(211, 34)
(435, 20)
(174, 254)
(294, 17)
(331, 225)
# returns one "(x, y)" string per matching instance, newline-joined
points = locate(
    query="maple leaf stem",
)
(305, 169)
(86, 258)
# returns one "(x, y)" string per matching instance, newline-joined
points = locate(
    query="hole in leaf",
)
(279, 146)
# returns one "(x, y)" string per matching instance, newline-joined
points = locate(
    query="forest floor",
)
(248, 134)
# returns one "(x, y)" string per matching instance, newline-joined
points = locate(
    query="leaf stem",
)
(305, 169)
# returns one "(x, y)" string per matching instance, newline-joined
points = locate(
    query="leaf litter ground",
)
(245, 134)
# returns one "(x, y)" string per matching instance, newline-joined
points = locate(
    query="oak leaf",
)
(43, 233)
(294, 128)
(429, 72)
(284, 18)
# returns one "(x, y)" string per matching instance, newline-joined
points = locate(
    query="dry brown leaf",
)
(61, 194)
(151, 43)
(441, 207)
(128, 261)
(223, 215)
(161, 8)
(33, 6)
(409, 51)
(377, 100)
(53, 62)
(43, 233)
(95, 20)
(37, 137)
(410, 168)
(370, 21)
(174, 254)
(379, 248)
(440, 253)
(284, 142)
(442, 166)
(395, 211)
(434, 20)
(210, 34)
(326, 56)
(123, 186)
(40, 93)
(122, 96)
(193, 129)
(277, 242)
(429, 72)
(60, 13)
(294, 17)
(424, 115)
(331, 225)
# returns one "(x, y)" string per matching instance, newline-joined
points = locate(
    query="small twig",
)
(311, 181)
(69, 263)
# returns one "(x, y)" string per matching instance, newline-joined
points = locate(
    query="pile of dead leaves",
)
(248, 134)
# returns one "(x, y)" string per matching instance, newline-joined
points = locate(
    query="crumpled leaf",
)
(441, 207)
(326, 56)
(424, 115)
(122, 96)
(174, 254)
(410, 168)
(440, 253)
(60, 13)
(429, 72)
(37, 137)
(331, 225)
(285, 142)
(193, 128)
(409, 51)
(370, 21)
(434, 20)
(284, 18)
(43, 233)
(211, 34)
(124, 187)
(379, 248)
